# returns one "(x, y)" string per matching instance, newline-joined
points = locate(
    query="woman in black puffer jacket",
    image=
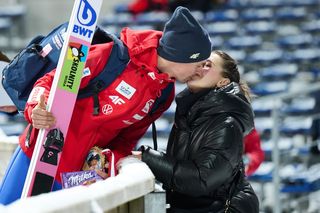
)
(202, 170)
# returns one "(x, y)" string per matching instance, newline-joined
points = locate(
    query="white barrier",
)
(134, 180)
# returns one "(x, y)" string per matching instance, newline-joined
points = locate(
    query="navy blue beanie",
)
(184, 40)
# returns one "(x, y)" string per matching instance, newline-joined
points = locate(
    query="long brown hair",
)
(230, 71)
(3, 57)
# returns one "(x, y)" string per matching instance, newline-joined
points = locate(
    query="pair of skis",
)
(62, 97)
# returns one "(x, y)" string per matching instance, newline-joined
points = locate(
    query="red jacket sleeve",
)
(252, 148)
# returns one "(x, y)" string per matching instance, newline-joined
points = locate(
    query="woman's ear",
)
(223, 82)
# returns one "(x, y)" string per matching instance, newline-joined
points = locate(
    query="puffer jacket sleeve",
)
(210, 166)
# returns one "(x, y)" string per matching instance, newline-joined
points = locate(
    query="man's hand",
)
(40, 117)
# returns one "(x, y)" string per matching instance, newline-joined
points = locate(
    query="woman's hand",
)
(40, 117)
(137, 154)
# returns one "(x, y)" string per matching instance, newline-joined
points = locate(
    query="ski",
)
(62, 97)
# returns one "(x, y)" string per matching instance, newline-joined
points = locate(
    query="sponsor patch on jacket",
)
(86, 72)
(148, 105)
(35, 94)
(127, 122)
(46, 50)
(138, 117)
(125, 89)
(107, 109)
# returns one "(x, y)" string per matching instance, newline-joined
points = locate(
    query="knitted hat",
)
(184, 40)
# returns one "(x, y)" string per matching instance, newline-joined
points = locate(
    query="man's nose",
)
(200, 71)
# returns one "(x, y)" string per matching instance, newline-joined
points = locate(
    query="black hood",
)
(229, 100)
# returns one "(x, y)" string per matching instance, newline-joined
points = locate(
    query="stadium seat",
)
(263, 124)
(279, 72)
(257, 14)
(221, 15)
(310, 54)
(290, 13)
(303, 180)
(296, 125)
(288, 29)
(263, 107)
(285, 144)
(311, 26)
(267, 4)
(260, 27)
(299, 40)
(222, 28)
(304, 3)
(268, 88)
(238, 55)
(265, 56)
(244, 42)
(300, 106)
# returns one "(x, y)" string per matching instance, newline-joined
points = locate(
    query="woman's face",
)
(211, 76)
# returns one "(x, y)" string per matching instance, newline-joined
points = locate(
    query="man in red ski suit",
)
(156, 60)
(253, 152)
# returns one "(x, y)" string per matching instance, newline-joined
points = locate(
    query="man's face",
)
(184, 72)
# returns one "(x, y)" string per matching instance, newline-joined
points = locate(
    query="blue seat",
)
(222, 28)
(279, 72)
(263, 173)
(298, 40)
(268, 88)
(221, 15)
(312, 26)
(296, 125)
(244, 42)
(288, 30)
(268, 4)
(310, 54)
(303, 181)
(291, 13)
(266, 56)
(260, 27)
(262, 107)
(285, 145)
(257, 14)
(154, 18)
(263, 124)
(239, 55)
(304, 3)
(300, 106)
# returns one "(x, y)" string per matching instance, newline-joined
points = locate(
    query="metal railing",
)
(275, 134)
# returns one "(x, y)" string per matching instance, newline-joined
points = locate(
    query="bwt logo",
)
(86, 14)
(87, 17)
